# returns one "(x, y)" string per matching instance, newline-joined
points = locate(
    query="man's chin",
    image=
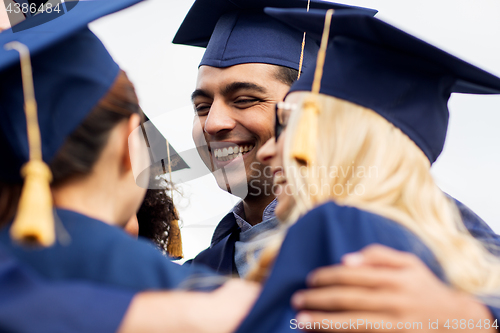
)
(206, 157)
(234, 185)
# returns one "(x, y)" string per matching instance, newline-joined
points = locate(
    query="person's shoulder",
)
(115, 257)
(93, 250)
(224, 228)
(91, 237)
(333, 215)
(91, 233)
(347, 229)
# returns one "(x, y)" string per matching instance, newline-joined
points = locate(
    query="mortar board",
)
(164, 159)
(72, 70)
(404, 79)
(69, 72)
(238, 32)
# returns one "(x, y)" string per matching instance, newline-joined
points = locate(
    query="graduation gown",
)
(28, 304)
(220, 255)
(321, 238)
(479, 229)
(104, 254)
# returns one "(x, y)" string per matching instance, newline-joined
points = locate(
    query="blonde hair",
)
(381, 170)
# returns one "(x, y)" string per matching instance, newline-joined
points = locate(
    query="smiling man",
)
(248, 66)
(235, 108)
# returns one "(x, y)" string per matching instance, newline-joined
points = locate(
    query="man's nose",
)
(220, 119)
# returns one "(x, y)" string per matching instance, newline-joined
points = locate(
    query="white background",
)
(164, 74)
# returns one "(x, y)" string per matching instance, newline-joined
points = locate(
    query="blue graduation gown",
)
(28, 304)
(102, 253)
(495, 311)
(479, 229)
(220, 255)
(318, 239)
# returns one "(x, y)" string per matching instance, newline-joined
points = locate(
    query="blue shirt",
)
(239, 211)
(252, 238)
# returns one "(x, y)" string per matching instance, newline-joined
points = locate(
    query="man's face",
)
(234, 110)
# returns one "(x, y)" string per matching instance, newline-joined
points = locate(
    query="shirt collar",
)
(238, 211)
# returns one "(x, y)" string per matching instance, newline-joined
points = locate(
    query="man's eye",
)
(246, 101)
(202, 109)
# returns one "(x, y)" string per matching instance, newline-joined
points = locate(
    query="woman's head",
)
(364, 161)
(379, 103)
(367, 135)
(62, 75)
(84, 146)
(359, 157)
(87, 113)
(98, 152)
(103, 150)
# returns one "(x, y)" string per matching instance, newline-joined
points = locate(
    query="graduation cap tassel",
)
(34, 221)
(305, 135)
(174, 245)
(305, 139)
(301, 61)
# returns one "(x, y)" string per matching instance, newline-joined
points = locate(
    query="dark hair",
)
(84, 145)
(287, 75)
(9, 198)
(156, 215)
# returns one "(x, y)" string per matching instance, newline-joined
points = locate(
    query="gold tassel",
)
(301, 60)
(304, 145)
(34, 221)
(174, 245)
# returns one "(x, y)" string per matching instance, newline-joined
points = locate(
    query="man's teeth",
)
(230, 153)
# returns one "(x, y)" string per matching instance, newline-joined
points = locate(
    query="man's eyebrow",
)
(199, 93)
(230, 88)
(235, 86)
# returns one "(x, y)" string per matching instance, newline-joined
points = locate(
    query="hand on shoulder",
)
(380, 284)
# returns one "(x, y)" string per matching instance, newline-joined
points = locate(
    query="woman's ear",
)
(136, 157)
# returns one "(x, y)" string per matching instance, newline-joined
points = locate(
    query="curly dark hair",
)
(156, 215)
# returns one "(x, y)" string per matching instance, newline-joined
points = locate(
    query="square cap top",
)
(378, 66)
(72, 71)
(237, 32)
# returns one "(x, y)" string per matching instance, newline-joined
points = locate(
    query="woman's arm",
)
(29, 304)
(177, 311)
